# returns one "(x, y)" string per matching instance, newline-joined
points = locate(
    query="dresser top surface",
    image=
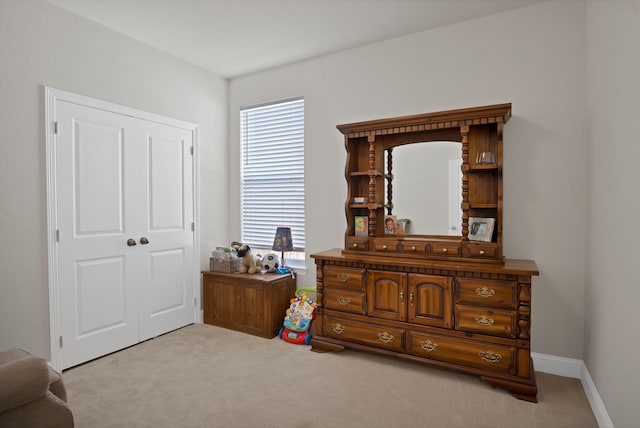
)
(509, 266)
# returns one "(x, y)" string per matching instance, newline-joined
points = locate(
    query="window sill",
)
(298, 266)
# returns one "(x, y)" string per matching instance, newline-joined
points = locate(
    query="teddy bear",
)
(250, 263)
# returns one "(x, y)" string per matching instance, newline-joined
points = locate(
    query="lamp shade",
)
(282, 240)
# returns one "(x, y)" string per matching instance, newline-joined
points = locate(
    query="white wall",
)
(43, 45)
(612, 342)
(533, 57)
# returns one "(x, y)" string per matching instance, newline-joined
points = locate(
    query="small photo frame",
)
(389, 225)
(481, 229)
(402, 226)
(361, 225)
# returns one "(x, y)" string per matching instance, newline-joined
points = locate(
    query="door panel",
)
(98, 169)
(166, 270)
(166, 181)
(97, 285)
(166, 274)
(100, 295)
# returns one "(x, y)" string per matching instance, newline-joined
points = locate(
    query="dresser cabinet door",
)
(431, 300)
(387, 295)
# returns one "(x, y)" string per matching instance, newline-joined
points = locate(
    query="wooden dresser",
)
(449, 299)
(251, 303)
(471, 317)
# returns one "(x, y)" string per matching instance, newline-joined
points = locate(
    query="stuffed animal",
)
(271, 262)
(250, 263)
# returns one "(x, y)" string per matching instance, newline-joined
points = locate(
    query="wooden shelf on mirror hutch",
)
(448, 298)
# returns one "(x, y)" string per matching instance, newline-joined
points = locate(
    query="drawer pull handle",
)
(401, 296)
(490, 356)
(342, 277)
(355, 245)
(413, 248)
(482, 252)
(384, 247)
(485, 292)
(444, 250)
(385, 337)
(343, 301)
(339, 328)
(429, 346)
(411, 298)
(484, 320)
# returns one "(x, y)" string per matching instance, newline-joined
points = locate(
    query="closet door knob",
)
(131, 242)
(144, 241)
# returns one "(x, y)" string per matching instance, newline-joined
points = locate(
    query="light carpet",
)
(206, 376)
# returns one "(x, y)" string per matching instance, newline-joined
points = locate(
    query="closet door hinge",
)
(195, 303)
(193, 227)
(191, 150)
(57, 235)
(61, 341)
(55, 127)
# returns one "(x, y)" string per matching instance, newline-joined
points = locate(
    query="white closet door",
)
(166, 282)
(98, 285)
(126, 246)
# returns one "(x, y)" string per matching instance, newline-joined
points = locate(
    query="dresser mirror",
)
(426, 187)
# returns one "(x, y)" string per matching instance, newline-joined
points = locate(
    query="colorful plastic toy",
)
(297, 321)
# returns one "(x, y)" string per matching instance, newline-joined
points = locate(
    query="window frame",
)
(277, 132)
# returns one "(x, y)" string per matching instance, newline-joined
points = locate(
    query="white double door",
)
(125, 239)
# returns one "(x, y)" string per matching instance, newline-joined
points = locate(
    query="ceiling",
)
(232, 38)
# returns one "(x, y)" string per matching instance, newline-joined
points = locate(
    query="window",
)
(272, 175)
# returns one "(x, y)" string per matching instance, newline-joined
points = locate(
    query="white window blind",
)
(272, 173)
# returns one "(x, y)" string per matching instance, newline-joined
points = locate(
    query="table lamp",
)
(282, 242)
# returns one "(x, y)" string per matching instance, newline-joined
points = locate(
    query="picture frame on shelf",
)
(389, 225)
(361, 225)
(402, 226)
(481, 228)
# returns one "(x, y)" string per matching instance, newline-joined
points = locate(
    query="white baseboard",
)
(570, 367)
(561, 366)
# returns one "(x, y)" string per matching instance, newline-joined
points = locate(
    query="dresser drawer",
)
(386, 245)
(356, 243)
(335, 276)
(486, 321)
(465, 352)
(367, 334)
(345, 300)
(414, 247)
(487, 250)
(445, 248)
(486, 292)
